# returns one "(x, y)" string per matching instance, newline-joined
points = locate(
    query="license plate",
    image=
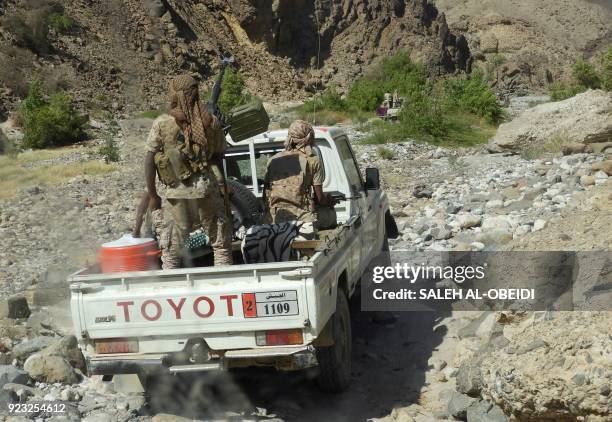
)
(106, 346)
(270, 304)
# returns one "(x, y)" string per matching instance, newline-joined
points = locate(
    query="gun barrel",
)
(216, 94)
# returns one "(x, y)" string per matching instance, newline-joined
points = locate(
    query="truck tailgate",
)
(186, 302)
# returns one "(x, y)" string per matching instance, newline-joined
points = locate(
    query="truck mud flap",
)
(391, 226)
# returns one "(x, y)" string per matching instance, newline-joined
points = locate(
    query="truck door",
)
(359, 206)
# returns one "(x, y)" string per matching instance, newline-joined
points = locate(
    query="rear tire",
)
(335, 361)
(244, 204)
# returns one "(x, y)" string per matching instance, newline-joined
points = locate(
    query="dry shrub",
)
(15, 64)
(29, 25)
(15, 176)
(29, 28)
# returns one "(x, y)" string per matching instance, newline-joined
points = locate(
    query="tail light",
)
(279, 337)
(116, 345)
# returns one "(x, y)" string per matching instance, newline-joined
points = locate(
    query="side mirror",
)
(372, 177)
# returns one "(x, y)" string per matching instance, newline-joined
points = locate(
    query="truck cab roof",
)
(274, 136)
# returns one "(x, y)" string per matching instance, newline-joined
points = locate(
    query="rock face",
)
(351, 34)
(156, 39)
(585, 118)
(535, 42)
(496, 379)
(572, 358)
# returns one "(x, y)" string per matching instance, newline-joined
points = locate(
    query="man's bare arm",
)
(150, 175)
(140, 212)
(321, 198)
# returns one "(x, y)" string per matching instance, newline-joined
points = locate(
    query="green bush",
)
(50, 122)
(498, 59)
(233, 91)
(386, 132)
(585, 74)
(61, 23)
(560, 91)
(109, 149)
(448, 112)
(385, 153)
(400, 73)
(365, 94)
(422, 116)
(472, 95)
(329, 100)
(150, 114)
(396, 73)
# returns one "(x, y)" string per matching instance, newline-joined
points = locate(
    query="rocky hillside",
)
(528, 44)
(118, 54)
(332, 40)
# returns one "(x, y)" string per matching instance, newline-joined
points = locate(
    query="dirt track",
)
(389, 371)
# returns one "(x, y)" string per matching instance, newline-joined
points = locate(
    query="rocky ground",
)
(448, 199)
(448, 366)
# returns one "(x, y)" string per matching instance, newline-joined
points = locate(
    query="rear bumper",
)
(122, 366)
(292, 358)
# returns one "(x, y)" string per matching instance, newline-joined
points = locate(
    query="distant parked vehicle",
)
(390, 107)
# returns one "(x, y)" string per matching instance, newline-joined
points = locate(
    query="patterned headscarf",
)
(185, 107)
(299, 135)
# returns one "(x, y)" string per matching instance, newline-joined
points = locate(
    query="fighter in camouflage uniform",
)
(294, 179)
(180, 148)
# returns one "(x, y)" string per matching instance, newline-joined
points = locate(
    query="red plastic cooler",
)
(129, 254)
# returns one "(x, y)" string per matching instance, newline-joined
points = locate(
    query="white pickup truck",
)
(288, 315)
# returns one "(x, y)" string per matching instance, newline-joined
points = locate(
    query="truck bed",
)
(163, 311)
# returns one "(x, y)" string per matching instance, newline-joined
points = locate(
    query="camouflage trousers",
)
(183, 216)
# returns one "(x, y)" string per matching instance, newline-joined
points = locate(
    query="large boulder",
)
(458, 405)
(585, 118)
(605, 166)
(50, 368)
(12, 374)
(483, 411)
(14, 307)
(67, 347)
(31, 346)
(469, 378)
(56, 362)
